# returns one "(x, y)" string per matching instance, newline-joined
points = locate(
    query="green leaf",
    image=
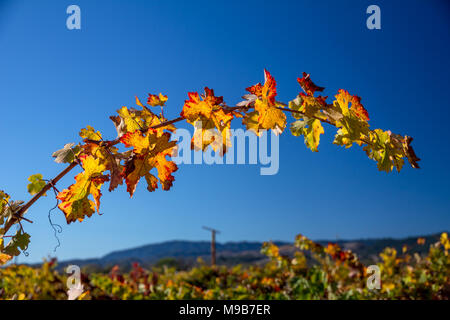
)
(351, 131)
(296, 105)
(383, 151)
(36, 184)
(311, 107)
(19, 241)
(297, 127)
(311, 129)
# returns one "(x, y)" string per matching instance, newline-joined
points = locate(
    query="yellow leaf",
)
(74, 201)
(138, 102)
(268, 115)
(131, 119)
(90, 134)
(311, 129)
(343, 98)
(154, 100)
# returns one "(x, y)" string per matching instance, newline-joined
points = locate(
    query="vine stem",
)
(19, 214)
(299, 112)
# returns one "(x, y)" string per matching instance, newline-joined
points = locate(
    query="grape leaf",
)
(154, 100)
(212, 124)
(268, 115)
(18, 242)
(307, 85)
(409, 152)
(149, 151)
(4, 258)
(311, 129)
(138, 102)
(74, 201)
(249, 100)
(36, 184)
(309, 106)
(90, 134)
(353, 124)
(130, 120)
(343, 99)
(110, 158)
(66, 154)
(9, 208)
(352, 130)
(382, 149)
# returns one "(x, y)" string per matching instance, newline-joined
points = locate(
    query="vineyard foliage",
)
(312, 272)
(144, 146)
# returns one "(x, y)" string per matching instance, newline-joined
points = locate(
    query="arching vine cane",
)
(147, 141)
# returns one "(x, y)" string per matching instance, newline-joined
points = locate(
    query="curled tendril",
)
(56, 227)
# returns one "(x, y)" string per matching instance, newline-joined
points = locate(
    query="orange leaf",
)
(206, 110)
(149, 151)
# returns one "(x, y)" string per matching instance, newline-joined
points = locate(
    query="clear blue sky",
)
(53, 82)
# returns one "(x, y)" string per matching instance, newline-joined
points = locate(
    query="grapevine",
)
(146, 139)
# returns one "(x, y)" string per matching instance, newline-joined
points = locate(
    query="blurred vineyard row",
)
(314, 272)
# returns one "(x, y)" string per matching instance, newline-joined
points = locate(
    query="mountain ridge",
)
(237, 252)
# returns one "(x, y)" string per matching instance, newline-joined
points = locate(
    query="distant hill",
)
(186, 253)
(181, 249)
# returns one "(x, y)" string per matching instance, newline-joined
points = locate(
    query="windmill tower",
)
(213, 244)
